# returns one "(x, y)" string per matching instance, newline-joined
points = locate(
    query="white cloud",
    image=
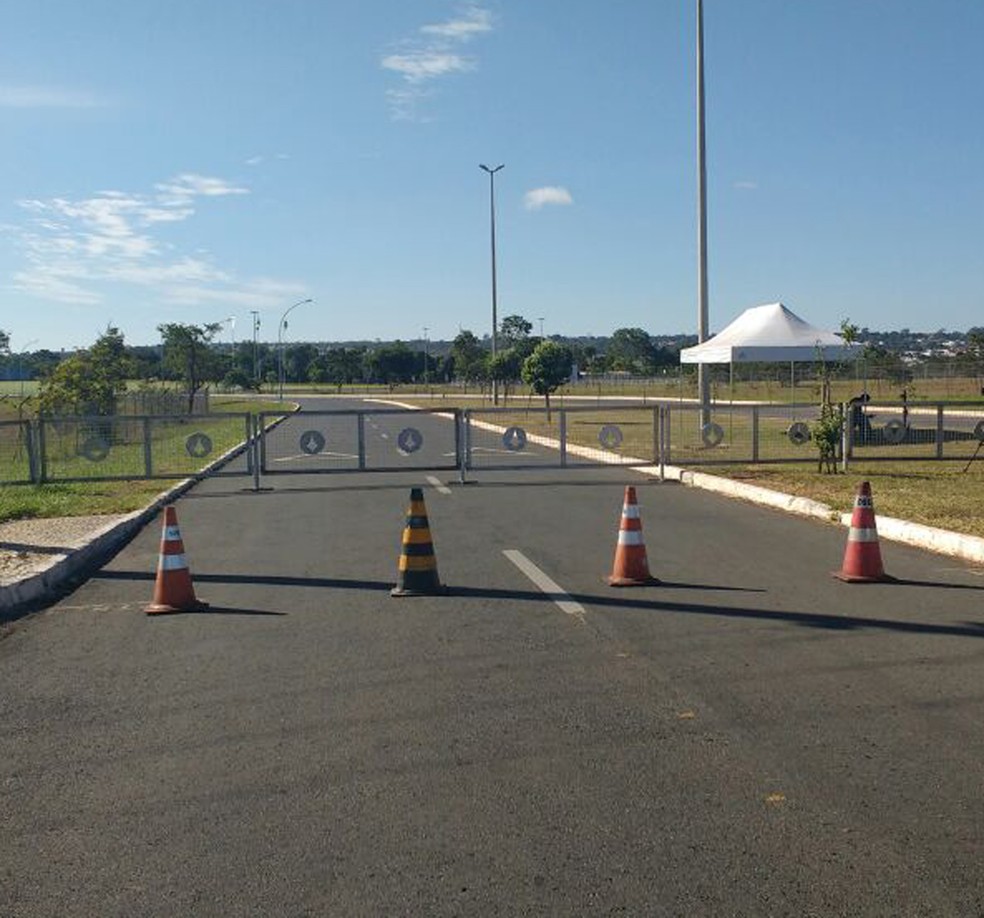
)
(47, 97)
(549, 194)
(474, 22)
(432, 55)
(189, 185)
(419, 66)
(73, 248)
(746, 186)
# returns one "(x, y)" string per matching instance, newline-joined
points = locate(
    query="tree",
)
(90, 381)
(187, 352)
(513, 329)
(548, 367)
(470, 359)
(390, 363)
(632, 350)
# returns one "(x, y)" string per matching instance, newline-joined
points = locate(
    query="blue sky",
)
(193, 160)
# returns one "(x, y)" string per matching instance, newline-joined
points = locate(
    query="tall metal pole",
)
(703, 379)
(256, 328)
(280, 341)
(495, 318)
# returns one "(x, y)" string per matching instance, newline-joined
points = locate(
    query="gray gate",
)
(18, 456)
(525, 438)
(387, 440)
(127, 446)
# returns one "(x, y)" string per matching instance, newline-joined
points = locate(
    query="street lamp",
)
(703, 378)
(280, 340)
(492, 171)
(256, 328)
(540, 319)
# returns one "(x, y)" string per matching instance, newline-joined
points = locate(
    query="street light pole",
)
(256, 328)
(540, 319)
(703, 379)
(495, 320)
(280, 341)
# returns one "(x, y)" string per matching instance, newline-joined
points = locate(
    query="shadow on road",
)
(647, 604)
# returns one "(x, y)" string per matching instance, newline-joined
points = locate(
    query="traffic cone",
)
(631, 565)
(173, 591)
(862, 558)
(418, 565)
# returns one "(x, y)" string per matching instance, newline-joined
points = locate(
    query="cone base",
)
(157, 608)
(858, 578)
(631, 581)
(435, 591)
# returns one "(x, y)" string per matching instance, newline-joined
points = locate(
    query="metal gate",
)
(144, 446)
(385, 440)
(529, 438)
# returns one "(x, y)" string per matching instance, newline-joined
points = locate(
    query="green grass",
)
(938, 494)
(76, 499)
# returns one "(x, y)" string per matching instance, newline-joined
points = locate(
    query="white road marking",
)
(439, 486)
(560, 596)
(321, 455)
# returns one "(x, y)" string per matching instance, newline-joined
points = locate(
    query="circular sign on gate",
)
(514, 439)
(712, 434)
(979, 431)
(610, 436)
(95, 449)
(312, 442)
(198, 445)
(409, 440)
(798, 433)
(894, 431)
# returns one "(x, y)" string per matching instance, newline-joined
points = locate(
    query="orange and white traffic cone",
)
(631, 564)
(173, 591)
(862, 558)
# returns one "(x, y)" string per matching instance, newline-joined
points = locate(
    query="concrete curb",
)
(23, 595)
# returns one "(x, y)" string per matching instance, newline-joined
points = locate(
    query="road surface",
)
(751, 737)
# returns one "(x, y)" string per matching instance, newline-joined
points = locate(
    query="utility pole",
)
(495, 320)
(703, 379)
(256, 328)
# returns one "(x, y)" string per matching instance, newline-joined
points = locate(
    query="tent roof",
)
(767, 334)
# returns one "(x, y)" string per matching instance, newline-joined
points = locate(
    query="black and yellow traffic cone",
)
(418, 565)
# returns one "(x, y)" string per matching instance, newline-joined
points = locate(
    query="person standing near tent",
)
(860, 423)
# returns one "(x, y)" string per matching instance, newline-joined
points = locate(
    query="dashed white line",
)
(560, 596)
(439, 485)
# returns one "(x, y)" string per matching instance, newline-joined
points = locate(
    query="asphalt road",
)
(752, 737)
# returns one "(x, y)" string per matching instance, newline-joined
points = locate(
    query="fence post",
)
(755, 433)
(32, 455)
(148, 451)
(461, 441)
(254, 448)
(362, 441)
(846, 435)
(939, 431)
(563, 438)
(42, 453)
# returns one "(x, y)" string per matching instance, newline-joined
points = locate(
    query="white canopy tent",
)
(768, 334)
